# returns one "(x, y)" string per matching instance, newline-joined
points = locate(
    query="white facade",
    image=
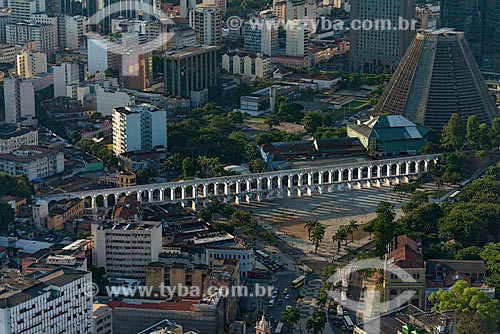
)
(71, 31)
(19, 97)
(139, 127)
(297, 39)
(261, 35)
(244, 254)
(206, 20)
(97, 55)
(30, 63)
(64, 75)
(125, 249)
(7, 53)
(103, 319)
(11, 142)
(40, 18)
(108, 100)
(40, 212)
(56, 302)
(42, 35)
(251, 65)
(21, 10)
(33, 162)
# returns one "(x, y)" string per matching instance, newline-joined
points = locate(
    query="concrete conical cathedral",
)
(436, 78)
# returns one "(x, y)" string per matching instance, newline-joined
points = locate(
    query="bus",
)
(261, 254)
(453, 197)
(348, 322)
(279, 329)
(299, 281)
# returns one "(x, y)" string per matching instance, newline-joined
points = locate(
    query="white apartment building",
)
(7, 52)
(206, 20)
(12, 138)
(139, 127)
(71, 31)
(31, 63)
(40, 212)
(107, 100)
(297, 39)
(65, 74)
(19, 98)
(21, 10)
(97, 55)
(247, 64)
(261, 34)
(32, 161)
(125, 249)
(5, 18)
(40, 18)
(42, 35)
(52, 302)
(301, 10)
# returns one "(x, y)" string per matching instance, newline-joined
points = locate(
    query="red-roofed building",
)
(408, 257)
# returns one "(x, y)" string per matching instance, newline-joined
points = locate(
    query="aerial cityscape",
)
(250, 167)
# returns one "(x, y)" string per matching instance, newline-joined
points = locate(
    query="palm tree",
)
(353, 226)
(338, 237)
(317, 234)
(310, 225)
(317, 321)
(290, 317)
(344, 234)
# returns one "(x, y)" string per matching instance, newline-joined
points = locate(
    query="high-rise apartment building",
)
(65, 74)
(52, 302)
(71, 31)
(41, 18)
(31, 63)
(125, 249)
(42, 35)
(261, 34)
(19, 97)
(374, 49)
(206, 20)
(297, 39)
(139, 127)
(21, 10)
(480, 22)
(438, 77)
(221, 4)
(192, 73)
(5, 18)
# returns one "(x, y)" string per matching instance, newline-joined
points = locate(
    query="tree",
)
(491, 257)
(417, 199)
(422, 221)
(172, 164)
(453, 134)
(258, 166)
(484, 137)
(315, 119)
(353, 226)
(466, 301)
(384, 227)
(272, 121)
(495, 132)
(473, 136)
(317, 321)
(469, 253)
(339, 236)
(142, 176)
(463, 225)
(188, 169)
(317, 234)
(204, 214)
(7, 216)
(310, 224)
(290, 317)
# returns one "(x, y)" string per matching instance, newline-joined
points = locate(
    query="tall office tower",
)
(5, 18)
(30, 63)
(438, 77)
(71, 31)
(21, 10)
(19, 97)
(372, 50)
(261, 34)
(221, 4)
(42, 35)
(192, 73)
(297, 39)
(139, 127)
(206, 20)
(480, 22)
(51, 302)
(65, 74)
